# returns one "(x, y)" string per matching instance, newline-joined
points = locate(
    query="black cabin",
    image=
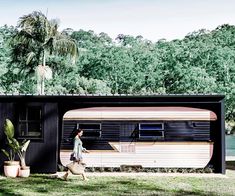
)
(40, 119)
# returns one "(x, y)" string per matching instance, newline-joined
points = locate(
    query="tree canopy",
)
(202, 62)
(36, 38)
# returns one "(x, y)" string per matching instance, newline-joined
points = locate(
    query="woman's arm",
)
(75, 148)
(85, 150)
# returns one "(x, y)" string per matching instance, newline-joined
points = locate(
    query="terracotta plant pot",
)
(24, 172)
(11, 168)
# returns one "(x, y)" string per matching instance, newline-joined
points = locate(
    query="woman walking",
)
(76, 156)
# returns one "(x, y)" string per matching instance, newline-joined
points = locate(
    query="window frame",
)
(27, 122)
(91, 130)
(153, 137)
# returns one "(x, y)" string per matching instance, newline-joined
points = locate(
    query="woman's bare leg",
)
(84, 177)
(65, 176)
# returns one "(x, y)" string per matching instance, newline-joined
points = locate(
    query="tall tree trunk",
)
(43, 74)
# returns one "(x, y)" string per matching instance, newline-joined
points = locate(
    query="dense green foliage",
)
(202, 62)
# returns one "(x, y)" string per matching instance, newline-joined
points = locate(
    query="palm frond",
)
(54, 25)
(64, 46)
(35, 24)
(30, 57)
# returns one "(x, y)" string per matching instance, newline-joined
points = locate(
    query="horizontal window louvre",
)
(87, 133)
(151, 133)
(151, 130)
(151, 126)
(201, 124)
(89, 126)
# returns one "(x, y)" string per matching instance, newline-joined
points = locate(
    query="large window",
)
(151, 131)
(90, 130)
(30, 122)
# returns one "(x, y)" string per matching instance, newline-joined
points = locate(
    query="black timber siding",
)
(41, 155)
(110, 132)
(124, 131)
(6, 112)
(187, 131)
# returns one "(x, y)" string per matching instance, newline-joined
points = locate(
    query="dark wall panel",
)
(7, 111)
(42, 155)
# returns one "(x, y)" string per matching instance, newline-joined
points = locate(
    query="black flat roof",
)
(131, 98)
(110, 95)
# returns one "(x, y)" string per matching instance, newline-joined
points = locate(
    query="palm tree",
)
(40, 38)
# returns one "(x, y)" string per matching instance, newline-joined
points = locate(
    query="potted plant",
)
(11, 167)
(15, 147)
(24, 170)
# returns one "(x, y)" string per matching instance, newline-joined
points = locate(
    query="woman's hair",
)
(75, 132)
(79, 130)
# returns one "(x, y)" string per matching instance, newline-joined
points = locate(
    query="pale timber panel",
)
(182, 155)
(140, 113)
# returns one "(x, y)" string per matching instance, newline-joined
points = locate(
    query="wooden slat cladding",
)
(128, 132)
(140, 113)
(110, 131)
(187, 131)
(158, 154)
(201, 131)
(68, 128)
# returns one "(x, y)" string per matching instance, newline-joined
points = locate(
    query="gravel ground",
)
(118, 174)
